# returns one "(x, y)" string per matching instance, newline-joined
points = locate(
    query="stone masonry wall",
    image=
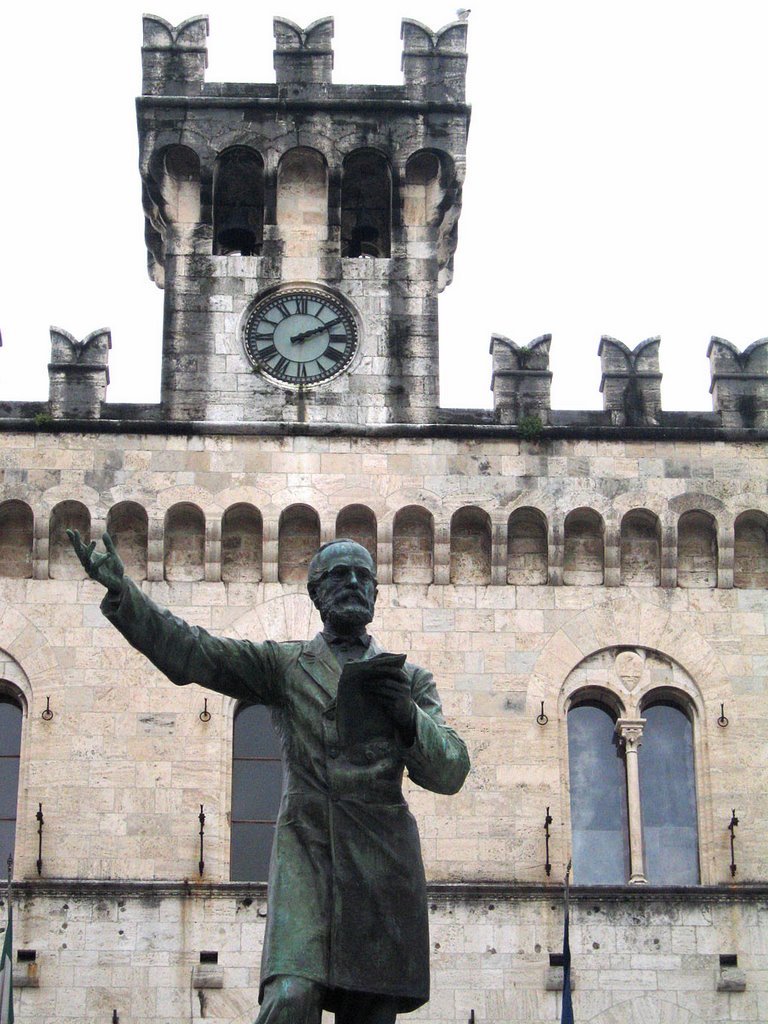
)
(638, 959)
(123, 766)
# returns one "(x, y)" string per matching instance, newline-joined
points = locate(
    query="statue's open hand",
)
(107, 569)
(392, 690)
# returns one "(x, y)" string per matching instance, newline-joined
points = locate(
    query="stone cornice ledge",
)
(474, 431)
(74, 888)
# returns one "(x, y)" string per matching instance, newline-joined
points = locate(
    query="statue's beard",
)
(350, 614)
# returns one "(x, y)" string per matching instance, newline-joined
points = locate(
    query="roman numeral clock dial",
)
(300, 337)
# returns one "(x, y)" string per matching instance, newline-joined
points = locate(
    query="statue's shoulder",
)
(292, 649)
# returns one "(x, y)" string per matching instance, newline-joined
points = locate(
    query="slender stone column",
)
(631, 732)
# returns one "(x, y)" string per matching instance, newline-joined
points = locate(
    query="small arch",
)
(640, 549)
(750, 567)
(16, 538)
(184, 543)
(696, 550)
(668, 791)
(256, 791)
(298, 540)
(302, 200)
(11, 720)
(527, 554)
(599, 818)
(358, 523)
(424, 189)
(63, 563)
(413, 533)
(366, 205)
(238, 202)
(471, 546)
(180, 185)
(584, 558)
(241, 544)
(128, 526)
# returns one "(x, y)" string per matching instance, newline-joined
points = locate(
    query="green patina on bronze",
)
(347, 895)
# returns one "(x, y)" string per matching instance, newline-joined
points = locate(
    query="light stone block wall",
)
(123, 766)
(642, 959)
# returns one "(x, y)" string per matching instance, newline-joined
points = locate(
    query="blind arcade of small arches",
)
(469, 549)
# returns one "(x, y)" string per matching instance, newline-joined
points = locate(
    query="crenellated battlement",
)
(631, 381)
(78, 374)
(521, 379)
(352, 193)
(174, 58)
(738, 388)
(303, 56)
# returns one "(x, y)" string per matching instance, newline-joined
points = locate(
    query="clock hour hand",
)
(315, 330)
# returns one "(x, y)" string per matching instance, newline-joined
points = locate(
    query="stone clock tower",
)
(301, 230)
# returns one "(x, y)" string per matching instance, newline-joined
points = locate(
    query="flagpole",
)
(567, 885)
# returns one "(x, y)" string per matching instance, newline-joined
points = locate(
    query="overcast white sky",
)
(616, 179)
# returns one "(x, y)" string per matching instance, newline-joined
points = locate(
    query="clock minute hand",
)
(315, 330)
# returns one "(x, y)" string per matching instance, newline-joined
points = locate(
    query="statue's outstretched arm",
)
(107, 568)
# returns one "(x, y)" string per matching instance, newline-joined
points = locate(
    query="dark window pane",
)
(255, 735)
(598, 798)
(10, 727)
(668, 797)
(7, 839)
(256, 790)
(9, 786)
(251, 846)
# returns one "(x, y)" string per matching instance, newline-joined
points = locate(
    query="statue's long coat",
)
(347, 897)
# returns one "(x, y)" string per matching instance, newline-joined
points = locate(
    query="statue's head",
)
(341, 581)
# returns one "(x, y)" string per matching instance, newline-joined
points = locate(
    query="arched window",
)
(256, 789)
(180, 186)
(632, 783)
(527, 547)
(640, 549)
(358, 523)
(471, 546)
(584, 557)
(302, 201)
(128, 527)
(598, 796)
(10, 747)
(750, 567)
(184, 543)
(298, 540)
(422, 192)
(366, 205)
(63, 563)
(241, 544)
(696, 550)
(16, 532)
(668, 796)
(412, 546)
(238, 202)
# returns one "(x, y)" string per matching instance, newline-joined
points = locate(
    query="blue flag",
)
(6, 972)
(567, 1013)
(566, 1016)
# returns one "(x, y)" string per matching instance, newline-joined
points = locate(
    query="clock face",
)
(300, 337)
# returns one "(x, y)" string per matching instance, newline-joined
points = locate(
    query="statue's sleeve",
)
(438, 758)
(190, 654)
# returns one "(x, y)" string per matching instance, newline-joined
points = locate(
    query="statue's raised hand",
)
(107, 569)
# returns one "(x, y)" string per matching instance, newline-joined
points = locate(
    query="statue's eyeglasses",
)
(341, 572)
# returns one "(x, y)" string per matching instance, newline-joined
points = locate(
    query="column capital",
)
(630, 730)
